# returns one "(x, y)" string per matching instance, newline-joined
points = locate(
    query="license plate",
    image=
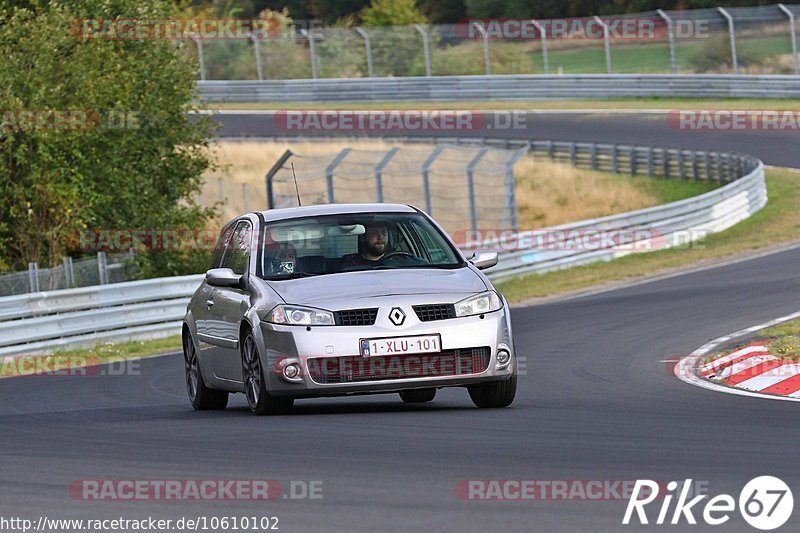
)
(401, 345)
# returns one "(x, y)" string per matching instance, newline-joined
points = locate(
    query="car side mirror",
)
(484, 260)
(223, 277)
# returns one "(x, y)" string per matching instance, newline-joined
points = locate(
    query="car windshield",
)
(331, 244)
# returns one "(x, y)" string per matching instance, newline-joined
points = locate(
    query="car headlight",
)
(299, 316)
(485, 302)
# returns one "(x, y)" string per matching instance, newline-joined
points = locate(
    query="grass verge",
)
(778, 222)
(60, 362)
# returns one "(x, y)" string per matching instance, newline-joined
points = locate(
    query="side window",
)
(219, 249)
(239, 248)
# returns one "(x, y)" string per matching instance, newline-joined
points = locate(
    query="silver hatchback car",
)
(338, 300)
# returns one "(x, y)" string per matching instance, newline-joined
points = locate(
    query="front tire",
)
(201, 396)
(418, 395)
(258, 399)
(494, 394)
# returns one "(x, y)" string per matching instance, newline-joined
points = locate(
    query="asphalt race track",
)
(596, 403)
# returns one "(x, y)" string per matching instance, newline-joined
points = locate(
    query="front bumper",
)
(310, 347)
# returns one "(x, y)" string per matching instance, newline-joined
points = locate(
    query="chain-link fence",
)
(746, 40)
(462, 186)
(97, 270)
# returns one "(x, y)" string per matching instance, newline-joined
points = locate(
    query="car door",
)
(227, 306)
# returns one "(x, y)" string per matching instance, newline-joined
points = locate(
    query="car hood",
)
(332, 290)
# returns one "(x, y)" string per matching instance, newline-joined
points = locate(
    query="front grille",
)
(426, 313)
(355, 317)
(354, 369)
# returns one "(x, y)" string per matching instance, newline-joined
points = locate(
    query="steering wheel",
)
(401, 253)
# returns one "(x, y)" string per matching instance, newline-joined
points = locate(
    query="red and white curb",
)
(748, 371)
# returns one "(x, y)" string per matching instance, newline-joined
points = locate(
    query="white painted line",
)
(686, 368)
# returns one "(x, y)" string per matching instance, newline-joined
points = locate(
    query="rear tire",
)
(418, 395)
(201, 396)
(494, 394)
(258, 399)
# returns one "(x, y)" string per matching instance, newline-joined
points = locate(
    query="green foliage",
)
(787, 346)
(715, 55)
(138, 162)
(392, 13)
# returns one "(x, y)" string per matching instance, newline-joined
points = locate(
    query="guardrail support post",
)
(593, 155)
(606, 42)
(673, 64)
(633, 160)
(473, 209)
(730, 172)
(732, 32)
(271, 174)
(257, 48)
(665, 163)
(426, 48)
(200, 57)
(695, 169)
(367, 48)
(681, 165)
(650, 162)
(793, 33)
(312, 50)
(573, 154)
(102, 268)
(486, 59)
(707, 164)
(426, 181)
(614, 159)
(543, 33)
(329, 172)
(379, 171)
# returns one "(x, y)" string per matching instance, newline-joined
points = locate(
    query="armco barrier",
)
(502, 87)
(40, 322)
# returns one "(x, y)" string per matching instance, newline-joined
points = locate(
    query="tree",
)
(392, 13)
(127, 155)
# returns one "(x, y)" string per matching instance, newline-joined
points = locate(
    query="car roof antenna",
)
(295, 185)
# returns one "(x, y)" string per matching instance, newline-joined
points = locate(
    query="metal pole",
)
(101, 268)
(379, 171)
(486, 59)
(312, 49)
(329, 172)
(511, 186)
(673, 64)
(69, 273)
(543, 33)
(473, 209)
(426, 48)
(271, 174)
(732, 33)
(244, 197)
(426, 183)
(257, 47)
(794, 37)
(33, 276)
(606, 42)
(368, 48)
(200, 57)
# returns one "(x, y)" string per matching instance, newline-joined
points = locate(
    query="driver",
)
(281, 258)
(372, 247)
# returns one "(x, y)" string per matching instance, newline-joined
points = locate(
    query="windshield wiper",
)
(294, 275)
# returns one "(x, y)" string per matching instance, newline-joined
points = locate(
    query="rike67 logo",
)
(765, 503)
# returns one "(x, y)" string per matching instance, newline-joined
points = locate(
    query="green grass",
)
(778, 222)
(670, 190)
(544, 105)
(100, 354)
(787, 328)
(785, 339)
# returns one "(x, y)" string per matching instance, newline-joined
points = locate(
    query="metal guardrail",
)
(41, 322)
(503, 87)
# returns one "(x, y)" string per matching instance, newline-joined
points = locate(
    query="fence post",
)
(221, 190)
(69, 273)
(367, 48)
(200, 57)
(425, 47)
(257, 48)
(793, 35)
(673, 64)
(244, 197)
(550, 149)
(102, 268)
(543, 33)
(486, 59)
(614, 158)
(473, 209)
(426, 182)
(271, 174)
(606, 42)
(329, 172)
(33, 276)
(379, 171)
(312, 50)
(511, 187)
(732, 32)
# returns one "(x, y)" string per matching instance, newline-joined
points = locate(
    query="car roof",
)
(273, 215)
